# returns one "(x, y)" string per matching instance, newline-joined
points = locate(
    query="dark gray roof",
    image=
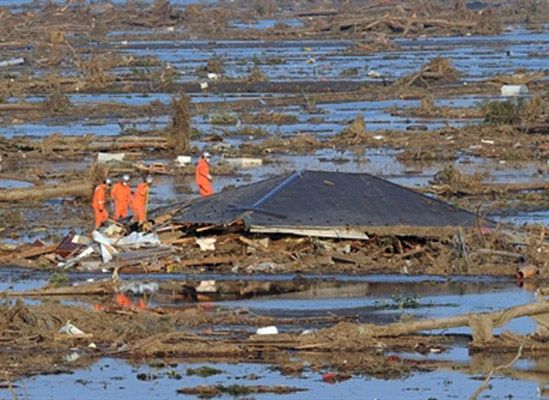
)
(327, 200)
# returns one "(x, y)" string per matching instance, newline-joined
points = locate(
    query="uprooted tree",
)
(179, 131)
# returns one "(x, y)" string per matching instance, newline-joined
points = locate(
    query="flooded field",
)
(413, 93)
(367, 299)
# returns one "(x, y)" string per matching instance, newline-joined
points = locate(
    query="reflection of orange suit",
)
(141, 202)
(122, 197)
(98, 204)
(202, 178)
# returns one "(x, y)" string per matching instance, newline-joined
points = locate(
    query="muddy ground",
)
(406, 90)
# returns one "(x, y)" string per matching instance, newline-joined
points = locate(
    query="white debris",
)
(113, 230)
(183, 160)
(203, 85)
(261, 267)
(71, 330)
(213, 76)
(374, 74)
(206, 244)
(78, 239)
(107, 252)
(72, 357)
(103, 158)
(75, 260)
(267, 330)
(136, 240)
(244, 162)
(139, 288)
(12, 61)
(206, 287)
(98, 237)
(514, 90)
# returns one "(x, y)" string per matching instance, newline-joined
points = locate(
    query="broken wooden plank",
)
(30, 253)
(206, 261)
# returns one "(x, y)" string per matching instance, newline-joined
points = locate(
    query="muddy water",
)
(368, 299)
(112, 378)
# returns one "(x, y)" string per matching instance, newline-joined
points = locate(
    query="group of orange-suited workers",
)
(123, 199)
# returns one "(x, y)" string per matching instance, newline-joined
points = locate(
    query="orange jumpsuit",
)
(122, 196)
(201, 177)
(98, 204)
(141, 202)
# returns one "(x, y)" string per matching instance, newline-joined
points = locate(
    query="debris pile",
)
(414, 20)
(450, 180)
(437, 71)
(174, 250)
(356, 131)
(373, 43)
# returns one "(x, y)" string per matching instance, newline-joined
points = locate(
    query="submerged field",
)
(402, 90)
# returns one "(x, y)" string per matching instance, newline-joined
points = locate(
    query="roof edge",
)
(361, 232)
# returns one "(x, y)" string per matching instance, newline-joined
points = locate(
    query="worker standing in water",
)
(98, 203)
(202, 175)
(141, 200)
(122, 197)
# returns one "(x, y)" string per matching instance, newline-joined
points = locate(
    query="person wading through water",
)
(202, 175)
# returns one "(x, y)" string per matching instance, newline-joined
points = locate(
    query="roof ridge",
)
(288, 181)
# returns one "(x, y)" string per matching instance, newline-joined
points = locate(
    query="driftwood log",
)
(76, 189)
(481, 324)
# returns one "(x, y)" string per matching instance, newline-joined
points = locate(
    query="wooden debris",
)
(28, 253)
(68, 189)
(91, 289)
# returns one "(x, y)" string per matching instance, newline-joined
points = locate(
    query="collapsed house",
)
(327, 204)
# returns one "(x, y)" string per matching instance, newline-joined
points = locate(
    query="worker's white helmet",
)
(206, 154)
(108, 181)
(149, 180)
(126, 178)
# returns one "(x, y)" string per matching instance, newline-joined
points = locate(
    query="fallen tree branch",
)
(485, 384)
(492, 320)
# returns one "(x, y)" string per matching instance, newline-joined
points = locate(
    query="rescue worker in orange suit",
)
(141, 200)
(98, 203)
(122, 197)
(202, 176)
